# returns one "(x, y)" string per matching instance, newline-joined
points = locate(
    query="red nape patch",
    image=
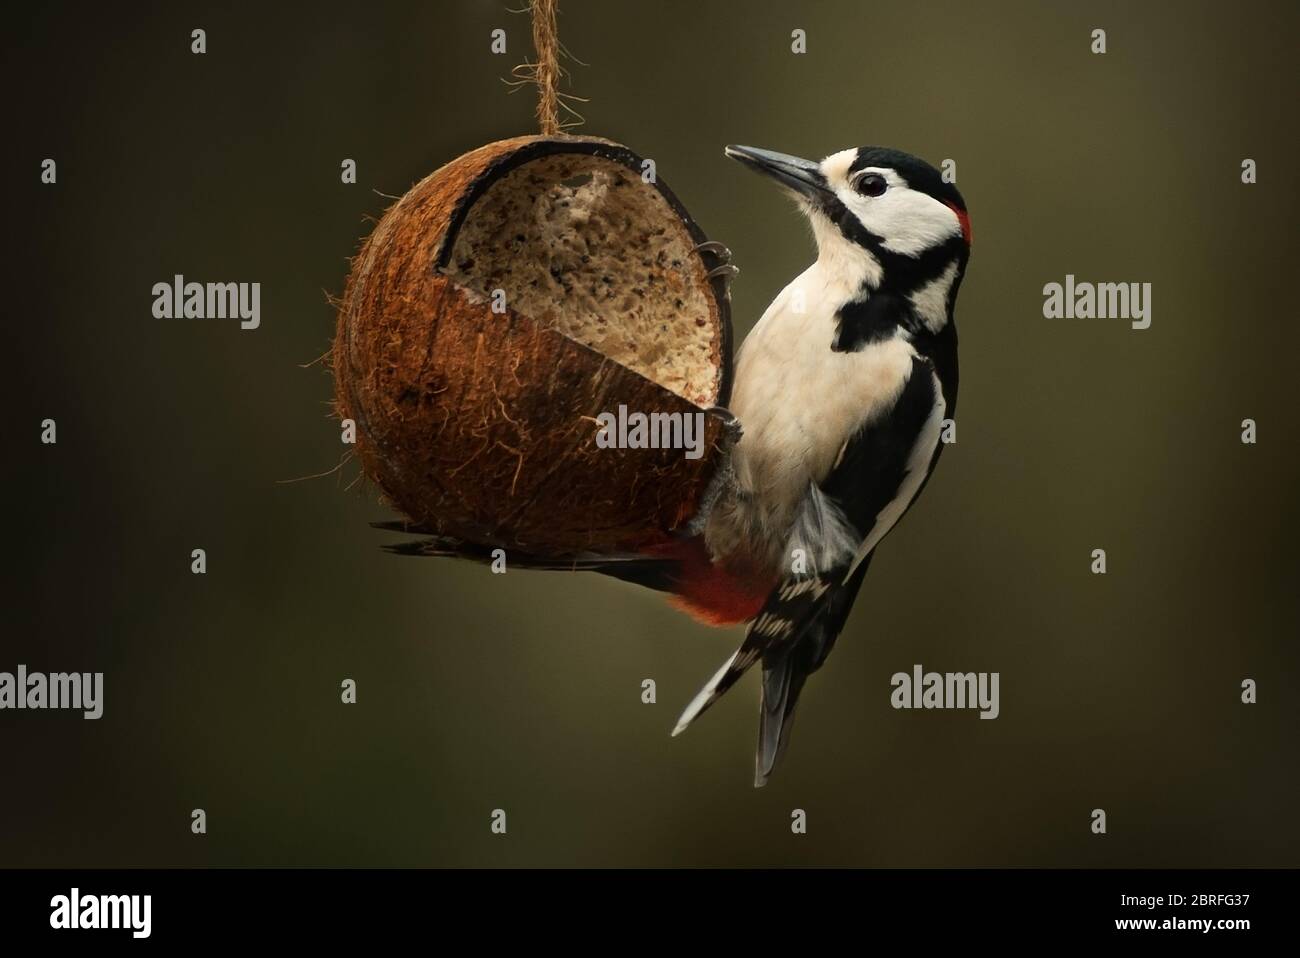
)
(964, 219)
(711, 594)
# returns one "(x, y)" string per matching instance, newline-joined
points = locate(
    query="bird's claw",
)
(731, 427)
(724, 476)
(720, 256)
(714, 248)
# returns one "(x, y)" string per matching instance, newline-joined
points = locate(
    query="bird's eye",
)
(871, 184)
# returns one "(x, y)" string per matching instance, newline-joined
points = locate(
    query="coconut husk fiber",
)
(482, 424)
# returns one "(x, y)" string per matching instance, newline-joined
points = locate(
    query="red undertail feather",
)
(712, 594)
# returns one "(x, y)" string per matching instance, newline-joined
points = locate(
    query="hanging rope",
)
(546, 43)
(546, 73)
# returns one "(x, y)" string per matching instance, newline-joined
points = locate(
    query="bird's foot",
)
(714, 248)
(731, 428)
(717, 257)
(723, 481)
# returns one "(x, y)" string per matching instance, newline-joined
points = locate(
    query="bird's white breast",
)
(798, 400)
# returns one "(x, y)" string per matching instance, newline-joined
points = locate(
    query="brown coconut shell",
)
(482, 425)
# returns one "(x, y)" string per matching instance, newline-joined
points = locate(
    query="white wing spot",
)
(772, 625)
(798, 587)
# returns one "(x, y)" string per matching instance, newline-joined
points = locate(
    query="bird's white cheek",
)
(908, 222)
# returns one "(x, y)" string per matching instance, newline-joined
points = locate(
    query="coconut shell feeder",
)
(502, 305)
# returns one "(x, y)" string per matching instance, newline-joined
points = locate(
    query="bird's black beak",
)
(803, 177)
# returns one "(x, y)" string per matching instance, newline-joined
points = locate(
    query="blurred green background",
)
(522, 691)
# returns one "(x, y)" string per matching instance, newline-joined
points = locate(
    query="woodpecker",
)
(841, 391)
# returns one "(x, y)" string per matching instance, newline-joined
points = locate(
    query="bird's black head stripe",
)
(920, 175)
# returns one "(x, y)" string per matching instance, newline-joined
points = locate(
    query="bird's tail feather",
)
(791, 649)
(722, 680)
(786, 665)
(786, 671)
(783, 680)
